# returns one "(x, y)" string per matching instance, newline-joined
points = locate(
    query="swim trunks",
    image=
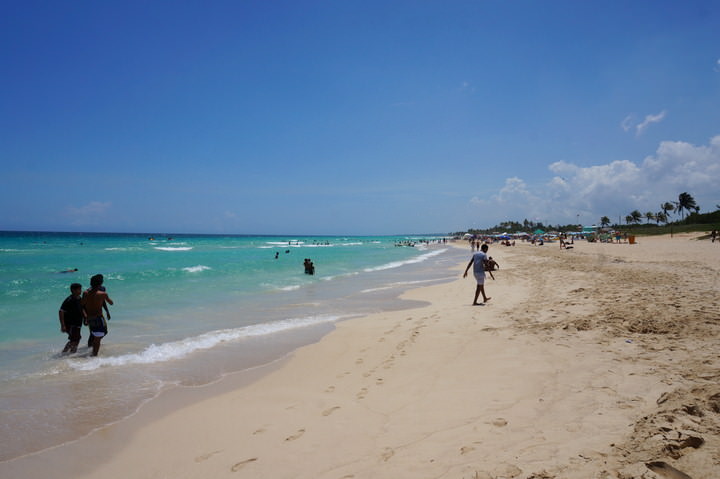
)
(98, 326)
(479, 277)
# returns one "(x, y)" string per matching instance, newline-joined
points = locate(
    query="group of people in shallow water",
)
(309, 266)
(85, 308)
(307, 263)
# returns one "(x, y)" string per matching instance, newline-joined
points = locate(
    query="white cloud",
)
(88, 214)
(649, 119)
(614, 188)
(626, 124)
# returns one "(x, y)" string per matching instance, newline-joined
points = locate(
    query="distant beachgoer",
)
(714, 235)
(71, 316)
(478, 261)
(277, 253)
(68, 270)
(491, 264)
(93, 300)
(309, 266)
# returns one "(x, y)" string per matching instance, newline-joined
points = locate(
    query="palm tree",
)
(661, 216)
(636, 216)
(649, 216)
(628, 219)
(604, 221)
(686, 202)
(666, 207)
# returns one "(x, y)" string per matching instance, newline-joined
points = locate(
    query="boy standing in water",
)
(93, 300)
(71, 318)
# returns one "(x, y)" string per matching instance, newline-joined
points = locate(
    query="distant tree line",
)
(685, 206)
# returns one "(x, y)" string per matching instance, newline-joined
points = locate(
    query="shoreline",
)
(48, 399)
(545, 378)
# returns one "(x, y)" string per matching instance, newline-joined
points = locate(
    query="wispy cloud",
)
(88, 214)
(467, 87)
(627, 123)
(649, 119)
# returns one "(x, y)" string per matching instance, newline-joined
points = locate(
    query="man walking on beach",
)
(478, 262)
(71, 318)
(93, 300)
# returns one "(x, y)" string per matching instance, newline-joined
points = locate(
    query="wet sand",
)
(587, 363)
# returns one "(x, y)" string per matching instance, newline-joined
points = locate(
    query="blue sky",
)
(353, 117)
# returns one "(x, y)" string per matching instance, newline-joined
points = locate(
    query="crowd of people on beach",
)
(85, 308)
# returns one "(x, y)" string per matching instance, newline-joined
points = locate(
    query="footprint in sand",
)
(387, 454)
(379, 381)
(205, 457)
(258, 431)
(239, 465)
(666, 470)
(331, 410)
(297, 435)
(359, 361)
(330, 389)
(363, 392)
(465, 449)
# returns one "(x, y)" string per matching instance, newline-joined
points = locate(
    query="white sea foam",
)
(180, 349)
(372, 290)
(290, 288)
(196, 269)
(434, 280)
(397, 264)
(170, 248)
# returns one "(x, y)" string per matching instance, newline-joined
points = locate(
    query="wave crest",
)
(179, 349)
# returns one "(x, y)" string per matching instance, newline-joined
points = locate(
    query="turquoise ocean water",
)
(188, 310)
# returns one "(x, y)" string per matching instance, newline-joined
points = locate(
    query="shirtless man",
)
(93, 300)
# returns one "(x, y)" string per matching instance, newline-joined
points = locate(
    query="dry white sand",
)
(587, 363)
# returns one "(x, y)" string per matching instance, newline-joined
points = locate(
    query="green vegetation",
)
(693, 222)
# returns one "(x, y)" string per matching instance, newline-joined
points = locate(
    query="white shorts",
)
(480, 277)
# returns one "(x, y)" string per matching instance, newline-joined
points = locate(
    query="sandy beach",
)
(600, 361)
